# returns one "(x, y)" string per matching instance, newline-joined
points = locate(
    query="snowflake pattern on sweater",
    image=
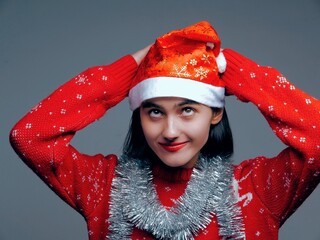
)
(269, 190)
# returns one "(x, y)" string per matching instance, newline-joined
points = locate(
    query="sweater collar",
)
(171, 174)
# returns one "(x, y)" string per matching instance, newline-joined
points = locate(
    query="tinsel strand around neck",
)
(134, 202)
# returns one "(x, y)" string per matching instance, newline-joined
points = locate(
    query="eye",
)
(155, 113)
(188, 111)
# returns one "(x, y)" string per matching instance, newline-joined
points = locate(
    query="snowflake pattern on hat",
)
(191, 54)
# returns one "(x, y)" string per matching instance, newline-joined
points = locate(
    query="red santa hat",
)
(182, 63)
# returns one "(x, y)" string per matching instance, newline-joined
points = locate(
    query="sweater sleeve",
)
(285, 181)
(42, 137)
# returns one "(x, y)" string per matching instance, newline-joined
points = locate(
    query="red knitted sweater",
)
(269, 190)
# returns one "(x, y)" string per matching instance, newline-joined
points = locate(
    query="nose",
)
(171, 129)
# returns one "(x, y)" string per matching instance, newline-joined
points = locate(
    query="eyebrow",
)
(187, 102)
(149, 104)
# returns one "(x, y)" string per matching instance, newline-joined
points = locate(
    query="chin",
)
(174, 163)
(170, 161)
(177, 159)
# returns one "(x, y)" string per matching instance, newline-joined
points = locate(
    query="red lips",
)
(173, 147)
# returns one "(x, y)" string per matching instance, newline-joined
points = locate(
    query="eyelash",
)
(185, 112)
(154, 111)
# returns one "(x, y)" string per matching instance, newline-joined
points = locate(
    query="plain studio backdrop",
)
(44, 43)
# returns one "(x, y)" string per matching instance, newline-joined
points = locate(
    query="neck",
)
(172, 174)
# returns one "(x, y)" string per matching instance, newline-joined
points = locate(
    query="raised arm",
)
(284, 181)
(41, 138)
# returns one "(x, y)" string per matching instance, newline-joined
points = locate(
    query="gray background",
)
(44, 43)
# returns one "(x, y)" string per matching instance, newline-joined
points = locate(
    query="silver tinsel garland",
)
(134, 202)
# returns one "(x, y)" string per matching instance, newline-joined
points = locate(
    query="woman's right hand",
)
(139, 55)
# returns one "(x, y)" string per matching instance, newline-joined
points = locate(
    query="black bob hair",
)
(219, 143)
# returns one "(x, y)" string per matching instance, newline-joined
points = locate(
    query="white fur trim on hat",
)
(221, 62)
(209, 95)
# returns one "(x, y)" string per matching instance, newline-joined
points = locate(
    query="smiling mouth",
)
(173, 147)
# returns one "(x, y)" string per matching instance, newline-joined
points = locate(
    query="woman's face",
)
(177, 128)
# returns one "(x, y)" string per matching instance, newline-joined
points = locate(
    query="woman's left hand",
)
(139, 55)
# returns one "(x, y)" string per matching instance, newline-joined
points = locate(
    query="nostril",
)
(170, 131)
(170, 139)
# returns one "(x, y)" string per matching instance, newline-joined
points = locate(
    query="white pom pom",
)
(221, 62)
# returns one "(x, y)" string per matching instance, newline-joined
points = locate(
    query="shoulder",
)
(248, 166)
(111, 161)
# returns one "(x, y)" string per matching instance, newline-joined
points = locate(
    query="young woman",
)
(175, 179)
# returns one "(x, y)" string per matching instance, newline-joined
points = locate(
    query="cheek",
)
(149, 130)
(199, 131)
